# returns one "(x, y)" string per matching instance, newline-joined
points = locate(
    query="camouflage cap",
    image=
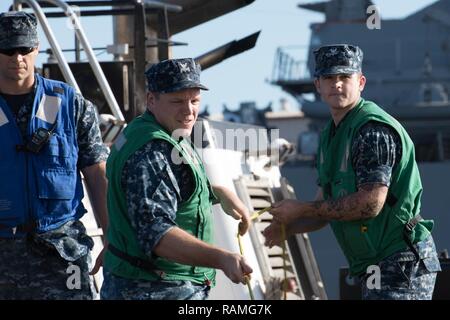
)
(18, 29)
(174, 75)
(338, 59)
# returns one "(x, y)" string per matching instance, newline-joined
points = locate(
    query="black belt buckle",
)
(412, 223)
(27, 227)
(410, 226)
(20, 228)
(12, 229)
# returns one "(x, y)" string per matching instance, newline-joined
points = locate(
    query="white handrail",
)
(98, 72)
(67, 73)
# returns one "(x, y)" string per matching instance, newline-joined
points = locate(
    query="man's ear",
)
(317, 84)
(36, 51)
(362, 82)
(150, 101)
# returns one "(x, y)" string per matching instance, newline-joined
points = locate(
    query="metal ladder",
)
(257, 194)
(299, 259)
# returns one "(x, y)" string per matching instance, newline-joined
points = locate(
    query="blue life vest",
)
(43, 190)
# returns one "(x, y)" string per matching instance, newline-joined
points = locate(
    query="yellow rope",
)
(258, 213)
(283, 246)
(246, 278)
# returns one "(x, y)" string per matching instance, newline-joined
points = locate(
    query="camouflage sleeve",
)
(376, 149)
(91, 149)
(152, 192)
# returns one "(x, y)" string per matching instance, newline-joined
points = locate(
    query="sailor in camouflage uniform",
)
(369, 188)
(159, 205)
(49, 133)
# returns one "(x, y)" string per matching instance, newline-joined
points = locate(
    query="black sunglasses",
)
(21, 50)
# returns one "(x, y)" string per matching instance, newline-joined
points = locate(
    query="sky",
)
(244, 77)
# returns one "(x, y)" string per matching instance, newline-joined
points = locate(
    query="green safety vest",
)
(367, 241)
(193, 215)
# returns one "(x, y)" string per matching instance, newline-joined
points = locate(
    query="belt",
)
(135, 261)
(21, 228)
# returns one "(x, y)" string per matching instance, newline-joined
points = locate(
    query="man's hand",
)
(235, 267)
(286, 211)
(234, 207)
(273, 234)
(99, 260)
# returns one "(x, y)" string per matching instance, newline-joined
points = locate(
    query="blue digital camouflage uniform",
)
(37, 264)
(154, 186)
(375, 152)
(36, 270)
(403, 278)
(117, 288)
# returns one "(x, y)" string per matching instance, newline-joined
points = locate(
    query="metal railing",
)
(286, 67)
(67, 73)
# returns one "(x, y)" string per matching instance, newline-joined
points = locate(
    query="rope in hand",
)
(283, 246)
(246, 277)
(258, 213)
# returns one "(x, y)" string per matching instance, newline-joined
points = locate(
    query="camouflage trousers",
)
(404, 278)
(31, 270)
(118, 288)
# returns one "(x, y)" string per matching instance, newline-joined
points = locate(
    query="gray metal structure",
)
(406, 63)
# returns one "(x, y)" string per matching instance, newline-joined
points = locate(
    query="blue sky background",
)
(244, 77)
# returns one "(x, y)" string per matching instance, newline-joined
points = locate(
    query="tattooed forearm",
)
(364, 204)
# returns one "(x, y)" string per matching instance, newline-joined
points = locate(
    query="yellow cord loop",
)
(246, 278)
(258, 213)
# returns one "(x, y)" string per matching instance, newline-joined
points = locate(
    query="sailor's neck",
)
(18, 87)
